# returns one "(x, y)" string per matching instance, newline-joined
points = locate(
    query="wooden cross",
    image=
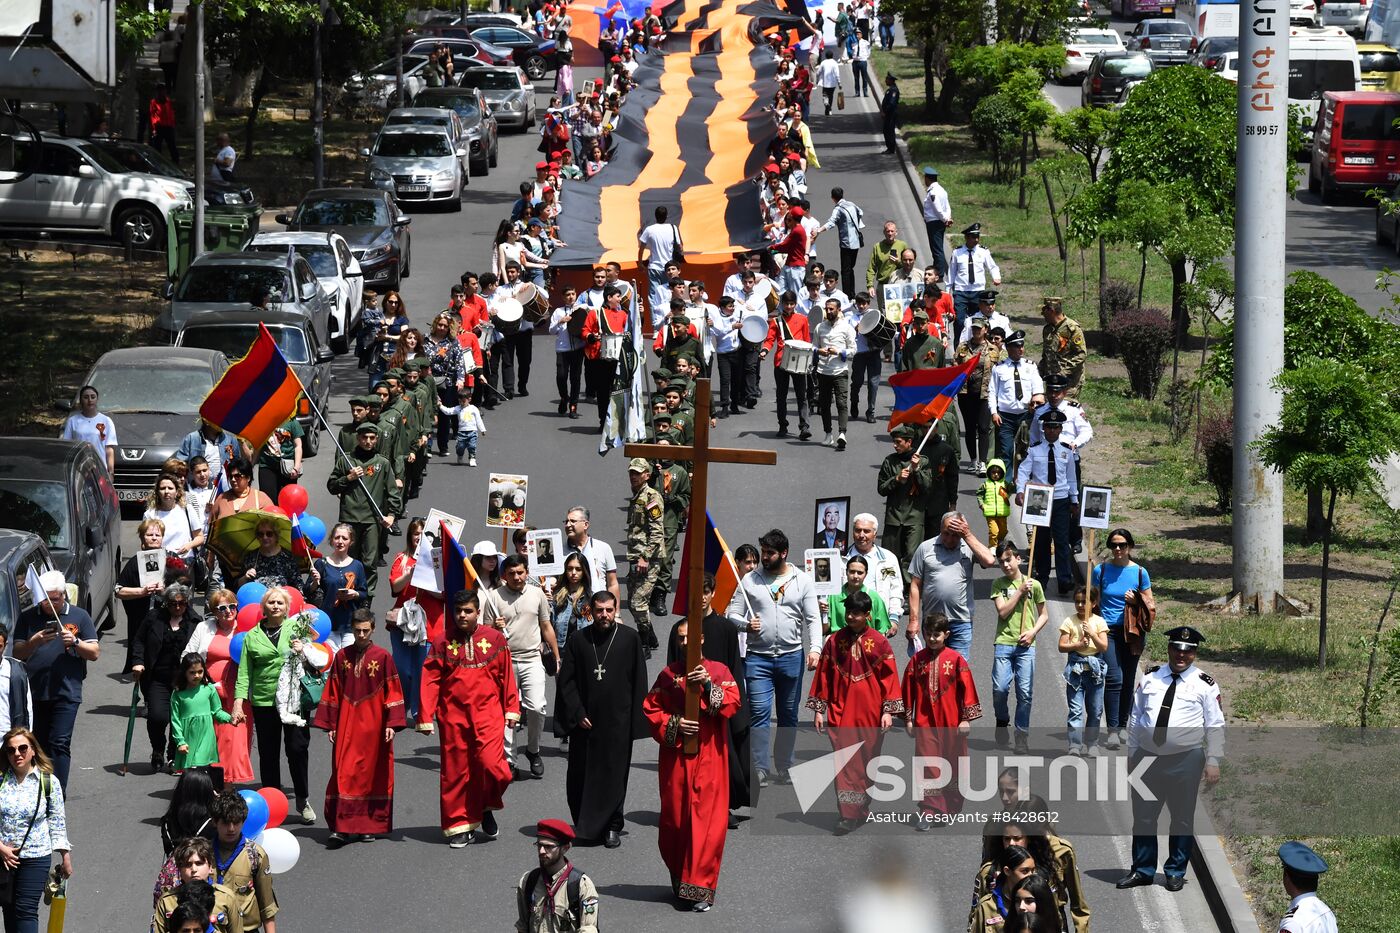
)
(700, 455)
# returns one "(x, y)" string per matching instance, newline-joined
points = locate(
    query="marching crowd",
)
(287, 642)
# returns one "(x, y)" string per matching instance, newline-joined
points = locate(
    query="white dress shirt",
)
(936, 206)
(1036, 469)
(1077, 430)
(995, 319)
(1307, 914)
(1001, 391)
(969, 270)
(1196, 718)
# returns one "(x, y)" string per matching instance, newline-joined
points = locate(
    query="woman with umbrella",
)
(241, 497)
(155, 657)
(270, 563)
(211, 639)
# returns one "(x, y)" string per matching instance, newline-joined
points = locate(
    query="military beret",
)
(395, 374)
(906, 431)
(1301, 858)
(360, 401)
(557, 830)
(417, 363)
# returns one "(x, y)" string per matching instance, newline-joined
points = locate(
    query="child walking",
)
(1021, 614)
(995, 501)
(1084, 639)
(940, 702)
(194, 708)
(470, 426)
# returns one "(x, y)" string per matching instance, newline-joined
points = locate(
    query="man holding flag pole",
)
(369, 498)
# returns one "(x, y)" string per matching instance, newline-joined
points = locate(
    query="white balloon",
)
(283, 849)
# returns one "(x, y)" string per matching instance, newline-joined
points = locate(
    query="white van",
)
(1320, 60)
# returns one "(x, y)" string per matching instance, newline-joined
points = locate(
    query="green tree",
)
(937, 28)
(1334, 427)
(1085, 131)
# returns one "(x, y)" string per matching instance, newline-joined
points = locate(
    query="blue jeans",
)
(774, 681)
(408, 659)
(1118, 685)
(960, 639)
(466, 443)
(1084, 677)
(1006, 436)
(53, 726)
(886, 31)
(1017, 661)
(22, 915)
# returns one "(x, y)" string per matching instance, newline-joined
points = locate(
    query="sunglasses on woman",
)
(230, 607)
(17, 750)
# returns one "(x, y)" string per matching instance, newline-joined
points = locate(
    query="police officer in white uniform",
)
(1053, 464)
(1013, 393)
(970, 271)
(987, 307)
(1306, 912)
(1177, 721)
(1076, 433)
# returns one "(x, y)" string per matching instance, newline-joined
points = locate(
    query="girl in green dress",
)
(194, 708)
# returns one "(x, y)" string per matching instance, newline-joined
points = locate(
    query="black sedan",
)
(371, 223)
(153, 395)
(1109, 73)
(535, 56)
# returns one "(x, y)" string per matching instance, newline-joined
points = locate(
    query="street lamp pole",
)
(197, 227)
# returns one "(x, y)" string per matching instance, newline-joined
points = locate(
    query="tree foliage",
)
(1035, 20)
(982, 70)
(1086, 131)
(137, 25)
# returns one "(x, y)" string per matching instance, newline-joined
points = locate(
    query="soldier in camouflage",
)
(672, 480)
(1062, 347)
(646, 547)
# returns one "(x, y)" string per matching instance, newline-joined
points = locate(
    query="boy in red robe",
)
(694, 788)
(855, 691)
(940, 702)
(361, 709)
(469, 669)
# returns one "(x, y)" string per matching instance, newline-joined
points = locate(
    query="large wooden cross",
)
(700, 455)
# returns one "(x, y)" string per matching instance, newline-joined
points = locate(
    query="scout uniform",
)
(346, 436)
(249, 876)
(682, 416)
(922, 350)
(941, 494)
(227, 918)
(904, 500)
(563, 903)
(646, 538)
(673, 482)
(1062, 348)
(662, 426)
(422, 397)
(358, 508)
(672, 350)
(1306, 912)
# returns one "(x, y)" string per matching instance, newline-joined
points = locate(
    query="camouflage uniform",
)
(673, 482)
(1062, 350)
(646, 539)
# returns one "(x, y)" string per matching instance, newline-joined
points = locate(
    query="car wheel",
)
(530, 123)
(407, 264)
(313, 439)
(1313, 186)
(478, 167)
(142, 227)
(1395, 237)
(455, 205)
(536, 67)
(1327, 193)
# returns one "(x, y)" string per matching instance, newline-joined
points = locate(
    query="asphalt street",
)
(798, 879)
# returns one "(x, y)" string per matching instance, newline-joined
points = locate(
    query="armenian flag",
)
(256, 395)
(457, 571)
(719, 560)
(923, 395)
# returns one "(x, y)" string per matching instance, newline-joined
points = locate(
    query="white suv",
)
(80, 187)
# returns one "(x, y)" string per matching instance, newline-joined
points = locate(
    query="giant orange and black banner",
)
(692, 136)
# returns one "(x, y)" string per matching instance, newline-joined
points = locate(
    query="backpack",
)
(572, 883)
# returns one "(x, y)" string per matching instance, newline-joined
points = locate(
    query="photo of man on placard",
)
(832, 523)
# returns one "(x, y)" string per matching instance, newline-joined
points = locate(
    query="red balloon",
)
(276, 805)
(293, 499)
(248, 617)
(295, 602)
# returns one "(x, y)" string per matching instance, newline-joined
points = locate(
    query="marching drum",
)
(754, 329)
(611, 346)
(797, 357)
(508, 315)
(534, 300)
(875, 327)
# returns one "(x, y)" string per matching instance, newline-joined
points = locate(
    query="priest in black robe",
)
(721, 644)
(602, 683)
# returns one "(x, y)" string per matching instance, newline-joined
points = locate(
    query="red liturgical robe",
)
(856, 682)
(939, 693)
(694, 788)
(362, 698)
(469, 688)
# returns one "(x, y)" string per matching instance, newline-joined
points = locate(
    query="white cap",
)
(52, 580)
(485, 549)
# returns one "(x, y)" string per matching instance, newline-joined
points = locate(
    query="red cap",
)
(771, 167)
(615, 58)
(547, 189)
(798, 212)
(557, 830)
(554, 166)
(541, 165)
(556, 154)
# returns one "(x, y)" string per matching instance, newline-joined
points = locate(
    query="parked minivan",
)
(1355, 142)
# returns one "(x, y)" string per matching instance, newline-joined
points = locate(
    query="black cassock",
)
(722, 645)
(601, 757)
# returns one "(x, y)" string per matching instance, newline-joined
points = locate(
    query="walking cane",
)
(130, 725)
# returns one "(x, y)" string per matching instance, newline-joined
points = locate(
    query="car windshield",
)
(138, 158)
(368, 212)
(178, 390)
(1168, 27)
(105, 159)
(412, 145)
(1218, 44)
(464, 104)
(232, 284)
(491, 80)
(1380, 61)
(321, 257)
(412, 119)
(389, 68)
(36, 506)
(1130, 66)
(1095, 38)
(1310, 78)
(233, 340)
(1369, 121)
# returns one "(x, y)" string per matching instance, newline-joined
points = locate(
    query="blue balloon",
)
(321, 622)
(235, 648)
(250, 593)
(313, 529)
(257, 813)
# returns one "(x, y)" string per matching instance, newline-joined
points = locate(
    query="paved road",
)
(770, 882)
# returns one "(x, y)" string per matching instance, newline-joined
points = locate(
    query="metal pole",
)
(197, 228)
(1260, 207)
(318, 126)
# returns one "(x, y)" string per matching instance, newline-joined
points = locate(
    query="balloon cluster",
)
(267, 809)
(293, 500)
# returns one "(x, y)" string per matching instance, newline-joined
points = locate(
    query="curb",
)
(1228, 904)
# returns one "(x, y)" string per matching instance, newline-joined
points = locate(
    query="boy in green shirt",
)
(1021, 614)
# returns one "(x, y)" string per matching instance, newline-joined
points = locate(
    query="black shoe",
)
(488, 825)
(806, 435)
(157, 764)
(1175, 883)
(366, 837)
(646, 652)
(536, 764)
(395, 530)
(573, 412)
(1134, 879)
(335, 841)
(922, 826)
(1077, 546)
(613, 841)
(870, 417)
(1065, 588)
(781, 777)
(518, 774)
(1003, 735)
(524, 392)
(783, 432)
(563, 407)
(733, 820)
(845, 827)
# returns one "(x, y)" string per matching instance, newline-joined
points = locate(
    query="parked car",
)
(371, 223)
(337, 270)
(230, 282)
(19, 551)
(231, 333)
(1166, 41)
(1109, 72)
(475, 51)
(1212, 51)
(536, 56)
(139, 157)
(1355, 143)
(81, 188)
(60, 491)
(1084, 43)
(417, 164)
(444, 117)
(508, 92)
(376, 86)
(1380, 66)
(153, 395)
(1348, 14)
(1228, 67)
(1302, 12)
(478, 123)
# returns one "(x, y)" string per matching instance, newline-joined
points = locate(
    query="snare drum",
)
(797, 357)
(508, 315)
(875, 327)
(754, 329)
(611, 346)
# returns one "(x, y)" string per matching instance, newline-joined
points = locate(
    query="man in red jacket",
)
(789, 325)
(604, 331)
(163, 122)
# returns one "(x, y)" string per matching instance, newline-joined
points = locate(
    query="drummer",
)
(787, 327)
(568, 349)
(518, 347)
(727, 350)
(873, 334)
(603, 332)
(492, 335)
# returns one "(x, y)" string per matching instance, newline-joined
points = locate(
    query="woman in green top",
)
(856, 571)
(194, 707)
(1021, 614)
(265, 649)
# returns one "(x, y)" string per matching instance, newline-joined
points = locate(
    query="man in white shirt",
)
(728, 350)
(830, 290)
(593, 298)
(753, 303)
(602, 564)
(969, 273)
(657, 244)
(1013, 393)
(221, 169)
(89, 424)
(991, 317)
(836, 348)
(828, 79)
(938, 217)
(885, 575)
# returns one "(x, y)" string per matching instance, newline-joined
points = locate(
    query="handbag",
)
(840, 98)
(7, 875)
(1137, 619)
